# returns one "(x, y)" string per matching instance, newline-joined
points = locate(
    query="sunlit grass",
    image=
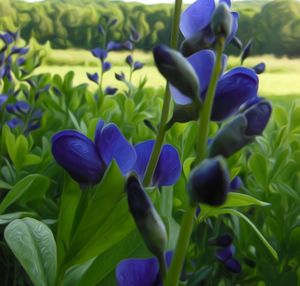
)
(282, 76)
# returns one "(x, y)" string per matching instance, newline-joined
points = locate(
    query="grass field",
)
(282, 76)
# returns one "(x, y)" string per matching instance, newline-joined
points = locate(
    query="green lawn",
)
(282, 77)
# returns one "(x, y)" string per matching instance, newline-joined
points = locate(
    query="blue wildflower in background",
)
(85, 160)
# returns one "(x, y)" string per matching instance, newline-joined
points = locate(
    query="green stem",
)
(166, 104)
(205, 114)
(188, 218)
(163, 267)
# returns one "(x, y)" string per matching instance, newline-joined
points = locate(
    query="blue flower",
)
(93, 77)
(137, 66)
(137, 272)
(18, 50)
(168, 168)
(115, 46)
(225, 255)
(236, 183)
(99, 53)
(106, 66)
(234, 87)
(20, 107)
(15, 122)
(85, 160)
(197, 17)
(3, 99)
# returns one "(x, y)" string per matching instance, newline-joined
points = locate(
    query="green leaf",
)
(234, 200)
(68, 205)
(258, 165)
(31, 159)
(249, 222)
(105, 222)
(32, 242)
(29, 188)
(7, 218)
(4, 185)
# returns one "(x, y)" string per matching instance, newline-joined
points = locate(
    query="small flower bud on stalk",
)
(146, 218)
(177, 70)
(221, 23)
(209, 182)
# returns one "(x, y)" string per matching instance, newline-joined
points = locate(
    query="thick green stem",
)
(166, 104)
(188, 219)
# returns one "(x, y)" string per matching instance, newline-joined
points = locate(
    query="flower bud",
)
(209, 182)
(242, 130)
(221, 23)
(146, 218)
(260, 68)
(177, 70)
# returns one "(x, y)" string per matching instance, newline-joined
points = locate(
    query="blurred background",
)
(64, 32)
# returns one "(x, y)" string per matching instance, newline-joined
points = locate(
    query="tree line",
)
(274, 26)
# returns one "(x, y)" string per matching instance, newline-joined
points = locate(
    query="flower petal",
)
(136, 272)
(168, 168)
(112, 145)
(196, 17)
(77, 154)
(234, 88)
(233, 265)
(235, 19)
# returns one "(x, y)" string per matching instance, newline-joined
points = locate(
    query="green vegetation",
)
(275, 26)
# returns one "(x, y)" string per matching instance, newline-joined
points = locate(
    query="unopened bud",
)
(222, 21)
(209, 182)
(146, 217)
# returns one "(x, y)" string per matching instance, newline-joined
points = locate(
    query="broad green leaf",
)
(68, 205)
(7, 218)
(234, 200)
(250, 223)
(4, 185)
(31, 159)
(105, 221)
(94, 271)
(33, 244)
(258, 165)
(29, 188)
(21, 150)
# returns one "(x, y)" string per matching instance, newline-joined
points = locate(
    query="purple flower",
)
(168, 168)
(21, 61)
(137, 272)
(234, 88)
(3, 99)
(18, 50)
(135, 36)
(129, 60)
(260, 68)
(93, 77)
(137, 66)
(18, 108)
(120, 76)
(115, 46)
(7, 38)
(110, 90)
(225, 255)
(99, 53)
(85, 160)
(15, 122)
(197, 17)
(236, 183)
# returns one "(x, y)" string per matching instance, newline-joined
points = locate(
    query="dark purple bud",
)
(120, 76)
(33, 125)
(99, 53)
(226, 253)
(257, 118)
(101, 29)
(106, 66)
(137, 66)
(233, 265)
(37, 114)
(146, 218)
(135, 36)
(3, 99)
(93, 77)
(224, 240)
(110, 90)
(11, 108)
(246, 51)
(260, 68)
(222, 21)
(242, 130)
(78, 155)
(209, 182)
(18, 50)
(15, 122)
(14, 35)
(21, 61)
(177, 70)
(129, 60)
(236, 183)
